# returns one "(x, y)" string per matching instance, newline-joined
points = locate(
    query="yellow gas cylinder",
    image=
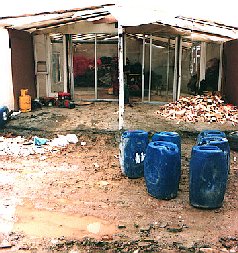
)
(25, 101)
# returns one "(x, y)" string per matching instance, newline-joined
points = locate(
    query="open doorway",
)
(95, 66)
(159, 69)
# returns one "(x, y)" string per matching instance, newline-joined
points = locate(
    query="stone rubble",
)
(200, 108)
(22, 147)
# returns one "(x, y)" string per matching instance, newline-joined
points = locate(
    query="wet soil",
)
(78, 200)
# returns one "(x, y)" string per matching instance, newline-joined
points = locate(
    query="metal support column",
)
(150, 71)
(177, 68)
(143, 71)
(167, 79)
(220, 68)
(124, 48)
(65, 63)
(96, 67)
(70, 65)
(121, 77)
(203, 60)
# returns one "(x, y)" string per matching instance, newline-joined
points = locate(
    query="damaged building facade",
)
(101, 53)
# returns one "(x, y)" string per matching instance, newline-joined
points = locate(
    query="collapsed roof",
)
(104, 18)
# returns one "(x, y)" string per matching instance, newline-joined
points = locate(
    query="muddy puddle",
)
(44, 223)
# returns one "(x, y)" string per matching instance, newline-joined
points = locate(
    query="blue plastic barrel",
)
(3, 115)
(210, 133)
(169, 137)
(208, 177)
(221, 143)
(162, 169)
(132, 152)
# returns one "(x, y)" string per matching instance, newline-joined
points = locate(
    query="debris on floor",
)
(39, 141)
(200, 109)
(5, 244)
(63, 141)
(22, 147)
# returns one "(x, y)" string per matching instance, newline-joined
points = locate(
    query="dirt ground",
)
(77, 200)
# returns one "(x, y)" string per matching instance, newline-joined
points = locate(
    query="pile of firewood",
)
(200, 109)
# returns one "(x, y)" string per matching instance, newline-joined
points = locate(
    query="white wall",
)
(6, 93)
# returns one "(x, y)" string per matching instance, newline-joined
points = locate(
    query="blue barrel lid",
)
(212, 132)
(206, 148)
(164, 145)
(212, 140)
(167, 133)
(131, 133)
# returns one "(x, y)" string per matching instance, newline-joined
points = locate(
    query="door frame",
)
(49, 63)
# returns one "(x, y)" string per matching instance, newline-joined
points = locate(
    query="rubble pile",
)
(22, 147)
(200, 109)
